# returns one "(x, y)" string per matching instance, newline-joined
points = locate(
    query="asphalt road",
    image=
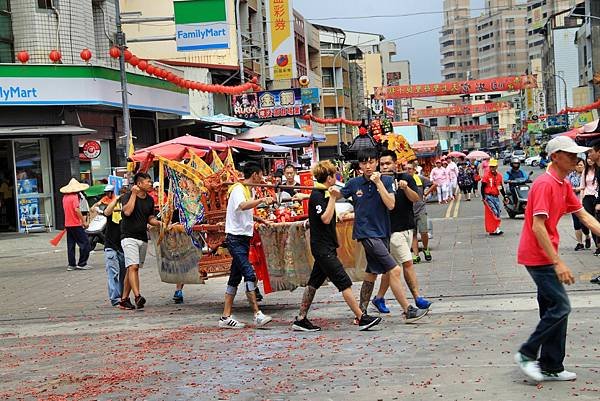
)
(60, 339)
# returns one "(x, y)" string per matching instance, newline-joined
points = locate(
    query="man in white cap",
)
(75, 224)
(551, 196)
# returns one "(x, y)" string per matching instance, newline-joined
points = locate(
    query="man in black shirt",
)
(403, 224)
(323, 246)
(113, 252)
(138, 212)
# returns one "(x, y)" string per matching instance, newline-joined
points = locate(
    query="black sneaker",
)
(588, 243)
(259, 296)
(413, 314)
(366, 322)
(597, 252)
(140, 301)
(579, 247)
(304, 325)
(595, 280)
(126, 304)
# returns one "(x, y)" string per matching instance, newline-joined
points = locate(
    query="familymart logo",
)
(201, 25)
(12, 93)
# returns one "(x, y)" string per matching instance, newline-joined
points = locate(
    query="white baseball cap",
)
(564, 144)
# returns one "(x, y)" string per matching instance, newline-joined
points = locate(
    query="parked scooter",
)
(95, 231)
(520, 191)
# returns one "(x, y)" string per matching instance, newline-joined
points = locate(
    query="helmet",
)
(515, 160)
(109, 188)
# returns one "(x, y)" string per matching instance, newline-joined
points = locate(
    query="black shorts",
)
(328, 266)
(377, 251)
(576, 222)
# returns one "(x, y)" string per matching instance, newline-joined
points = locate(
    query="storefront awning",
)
(36, 131)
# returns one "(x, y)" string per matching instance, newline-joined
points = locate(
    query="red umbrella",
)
(246, 145)
(172, 151)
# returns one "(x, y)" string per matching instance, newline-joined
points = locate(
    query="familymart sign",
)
(201, 25)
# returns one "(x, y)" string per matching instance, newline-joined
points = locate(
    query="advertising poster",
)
(28, 186)
(280, 33)
(29, 211)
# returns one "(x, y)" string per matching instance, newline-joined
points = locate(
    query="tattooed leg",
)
(365, 294)
(307, 299)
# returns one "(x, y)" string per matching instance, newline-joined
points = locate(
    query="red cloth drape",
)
(491, 221)
(259, 262)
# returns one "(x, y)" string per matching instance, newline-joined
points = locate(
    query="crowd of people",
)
(389, 213)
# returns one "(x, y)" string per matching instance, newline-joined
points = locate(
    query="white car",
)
(533, 161)
(519, 154)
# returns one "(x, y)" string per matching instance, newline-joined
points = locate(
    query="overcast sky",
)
(423, 51)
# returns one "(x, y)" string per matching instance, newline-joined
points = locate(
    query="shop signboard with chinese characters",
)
(558, 120)
(389, 108)
(91, 149)
(310, 95)
(513, 83)
(267, 105)
(201, 25)
(468, 109)
(280, 35)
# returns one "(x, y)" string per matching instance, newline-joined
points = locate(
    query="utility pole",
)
(120, 36)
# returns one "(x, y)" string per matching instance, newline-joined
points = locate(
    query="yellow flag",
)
(130, 165)
(199, 165)
(217, 164)
(229, 158)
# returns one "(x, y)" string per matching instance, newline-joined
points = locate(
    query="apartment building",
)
(489, 45)
(588, 40)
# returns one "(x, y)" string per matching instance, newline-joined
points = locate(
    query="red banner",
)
(461, 110)
(457, 88)
(463, 128)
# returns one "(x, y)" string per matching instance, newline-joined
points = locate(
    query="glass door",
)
(33, 183)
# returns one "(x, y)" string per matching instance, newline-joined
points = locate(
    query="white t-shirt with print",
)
(238, 221)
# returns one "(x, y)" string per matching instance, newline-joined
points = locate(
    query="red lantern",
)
(85, 55)
(114, 52)
(163, 73)
(254, 80)
(127, 55)
(150, 69)
(170, 76)
(23, 56)
(134, 61)
(142, 65)
(55, 56)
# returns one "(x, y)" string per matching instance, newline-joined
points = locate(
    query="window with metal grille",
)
(45, 4)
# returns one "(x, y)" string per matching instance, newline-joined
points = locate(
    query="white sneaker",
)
(230, 323)
(563, 376)
(85, 267)
(260, 319)
(530, 367)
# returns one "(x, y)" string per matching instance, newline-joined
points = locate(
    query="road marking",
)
(458, 198)
(449, 210)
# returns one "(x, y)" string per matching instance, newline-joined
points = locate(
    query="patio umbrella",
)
(246, 145)
(285, 140)
(176, 149)
(271, 130)
(477, 154)
(456, 154)
(228, 121)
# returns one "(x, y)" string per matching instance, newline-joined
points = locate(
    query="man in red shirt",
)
(491, 187)
(75, 224)
(550, 197)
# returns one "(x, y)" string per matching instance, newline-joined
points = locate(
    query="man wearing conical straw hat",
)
(75, 225)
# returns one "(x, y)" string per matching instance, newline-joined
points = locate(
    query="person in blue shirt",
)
(373, 197)
(515, 173)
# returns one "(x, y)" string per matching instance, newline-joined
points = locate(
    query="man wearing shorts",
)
(373, 198)
(402, 224)
(138, 212)
(323, 246)
(424, 188)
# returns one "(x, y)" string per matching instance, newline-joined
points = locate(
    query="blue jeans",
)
(494, 204)
(550, 335)
(77, 235)
(115, 272)
(239, 248)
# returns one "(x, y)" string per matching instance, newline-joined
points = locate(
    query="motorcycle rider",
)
(515, 173)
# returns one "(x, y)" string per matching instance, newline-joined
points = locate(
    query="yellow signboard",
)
(280, 30)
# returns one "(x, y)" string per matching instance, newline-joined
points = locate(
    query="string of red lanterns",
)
(331, 120)
(144, 65)
(582, 109)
